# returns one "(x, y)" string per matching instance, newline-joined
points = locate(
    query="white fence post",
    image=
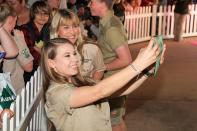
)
(154, 20)
(145, 22)
(28, 108)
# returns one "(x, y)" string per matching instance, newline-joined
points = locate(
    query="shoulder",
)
(115, 21)
(58, 89)
(59, 92)
(90, 46)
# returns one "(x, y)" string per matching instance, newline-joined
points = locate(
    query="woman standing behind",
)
(24, 61)
(36, 31)
(65, 24)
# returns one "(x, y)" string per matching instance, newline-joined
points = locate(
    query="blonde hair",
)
(65, 17)
(62, 17)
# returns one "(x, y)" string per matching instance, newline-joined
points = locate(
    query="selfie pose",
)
(73, 104)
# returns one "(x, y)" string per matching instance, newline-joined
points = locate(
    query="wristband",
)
(135, 69)
(147, 73)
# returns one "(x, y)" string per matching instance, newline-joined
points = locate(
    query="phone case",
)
(158, 40)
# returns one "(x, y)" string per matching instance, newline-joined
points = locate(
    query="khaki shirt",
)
(112, 35)
(14, 66)
(93, 60)
(65, 118)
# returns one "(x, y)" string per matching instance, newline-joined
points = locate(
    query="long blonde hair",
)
(65, 17)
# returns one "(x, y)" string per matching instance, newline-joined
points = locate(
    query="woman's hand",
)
(19, 37)
(147, 56)
(37, 49)
(9, 112)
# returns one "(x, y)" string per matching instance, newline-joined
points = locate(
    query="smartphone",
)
(2, 54)
(158, 40)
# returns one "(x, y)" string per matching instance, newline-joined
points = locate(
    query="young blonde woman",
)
(65, 24)
(76, 105)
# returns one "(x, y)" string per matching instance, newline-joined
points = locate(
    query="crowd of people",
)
(84, 57)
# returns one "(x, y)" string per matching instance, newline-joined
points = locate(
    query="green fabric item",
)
(7, 92)
(7, 97)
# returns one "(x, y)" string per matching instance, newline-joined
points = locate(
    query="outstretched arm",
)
(86, 95)
(134, 85)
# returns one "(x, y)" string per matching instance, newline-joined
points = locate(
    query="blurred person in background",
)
(22, 10)
(65, 24)
(113, 43)
(36, 31)
(180, 13)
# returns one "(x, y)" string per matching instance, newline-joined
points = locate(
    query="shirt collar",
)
(106, 18)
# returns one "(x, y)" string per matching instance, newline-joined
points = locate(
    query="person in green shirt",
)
(114, 46)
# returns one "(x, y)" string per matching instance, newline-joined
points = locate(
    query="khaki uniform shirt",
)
(14, 66)
(112, 35)
(65, 118)
(93, 60)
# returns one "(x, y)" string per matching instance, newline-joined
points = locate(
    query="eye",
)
(67, 55)
(75, 26)
(75, 53)
(66, 27)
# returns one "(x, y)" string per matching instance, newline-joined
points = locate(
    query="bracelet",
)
(147, 73)
(135, 69)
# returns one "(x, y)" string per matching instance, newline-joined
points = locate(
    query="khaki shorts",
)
(117, 109)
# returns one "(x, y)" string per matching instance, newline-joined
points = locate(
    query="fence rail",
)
(148, 21)
(28, 108)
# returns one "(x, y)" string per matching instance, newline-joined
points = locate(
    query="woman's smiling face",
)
(70, 32)
(65, 62)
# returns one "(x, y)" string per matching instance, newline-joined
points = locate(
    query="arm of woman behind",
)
(99, 65)
(8, 44)
(24, 58)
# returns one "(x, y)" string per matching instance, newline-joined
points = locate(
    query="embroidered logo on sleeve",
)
(25, 53)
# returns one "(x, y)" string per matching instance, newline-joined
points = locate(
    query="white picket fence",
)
(28, 108)
(145, 22)
(140, 24)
